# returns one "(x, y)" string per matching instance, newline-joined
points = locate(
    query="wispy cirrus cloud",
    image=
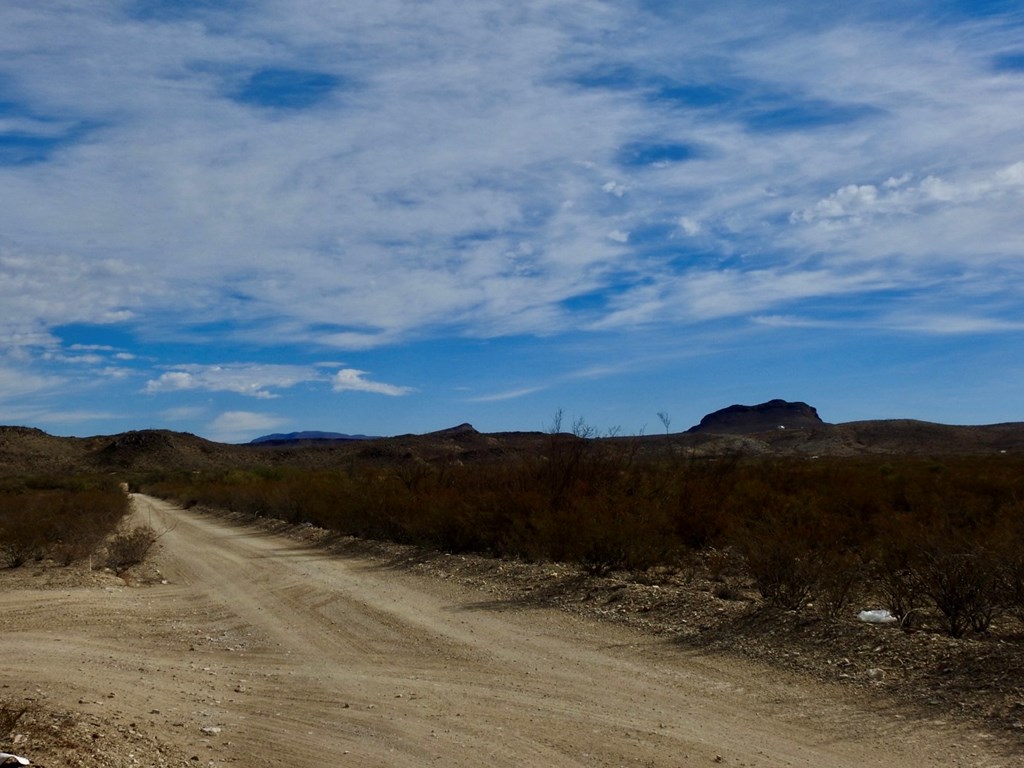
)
(370, 176)
(40, 291)
(239, 426)
(918, 323)
(15, 382)
(264, 381)
(352, 380)
(490, 156)
(511, 394)
(956, 324)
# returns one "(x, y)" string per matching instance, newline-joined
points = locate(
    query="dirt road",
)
(259, 650)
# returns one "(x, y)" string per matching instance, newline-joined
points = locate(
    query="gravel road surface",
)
(260, 650)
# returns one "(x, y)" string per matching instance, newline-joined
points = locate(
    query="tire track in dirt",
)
(279, 649)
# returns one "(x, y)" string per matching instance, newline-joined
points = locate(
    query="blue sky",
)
(234, 218)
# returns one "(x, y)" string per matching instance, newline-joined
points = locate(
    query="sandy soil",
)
(262, 649)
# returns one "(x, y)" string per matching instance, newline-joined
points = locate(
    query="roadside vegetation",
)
(62, 519)
(937, 543)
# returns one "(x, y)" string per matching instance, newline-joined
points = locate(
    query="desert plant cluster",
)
(63, 519)
(938, 543)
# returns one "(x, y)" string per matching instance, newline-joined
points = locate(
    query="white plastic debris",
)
(880, 616)
(8, 759)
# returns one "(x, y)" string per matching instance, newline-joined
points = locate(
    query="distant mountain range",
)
(775, 428)
(293, 437)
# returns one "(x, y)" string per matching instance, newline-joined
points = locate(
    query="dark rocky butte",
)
(749, 419)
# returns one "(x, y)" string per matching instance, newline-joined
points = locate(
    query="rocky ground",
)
(80, 739)
(95, 733)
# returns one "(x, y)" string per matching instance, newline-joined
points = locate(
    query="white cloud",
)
(921, 322)
(512, 394)
(898, 196)
(114, 372)
(708, 295)
(42, 289)
(454, 130)
(16, 382)
(690, 227)
(351, 380)
(952, 324)
(794, 321)
(183, 413)
(261, 381)
(43, 415)
(355, 341)
(397, 208)
(252, 380)
(241, 426)
(895, 183)
(172, 381)
(80, 416)
(90, 348)
(36, 129)
(848, 201)
(76, 359)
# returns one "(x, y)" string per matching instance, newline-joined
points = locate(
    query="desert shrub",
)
(76, 542)
(18, 551)
(1006, 544)
(840, 583)
(82, 521)
(64, 519)
(948, 551)
(782, 544)
(601, 552)
(784, 566)
(900, 589)
(699, 493)
(1010, 562)
(963, 585)
(20, 538)
(800, 543)
(823, 531)
(894, 570)
(130, 548)
(784, 572)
